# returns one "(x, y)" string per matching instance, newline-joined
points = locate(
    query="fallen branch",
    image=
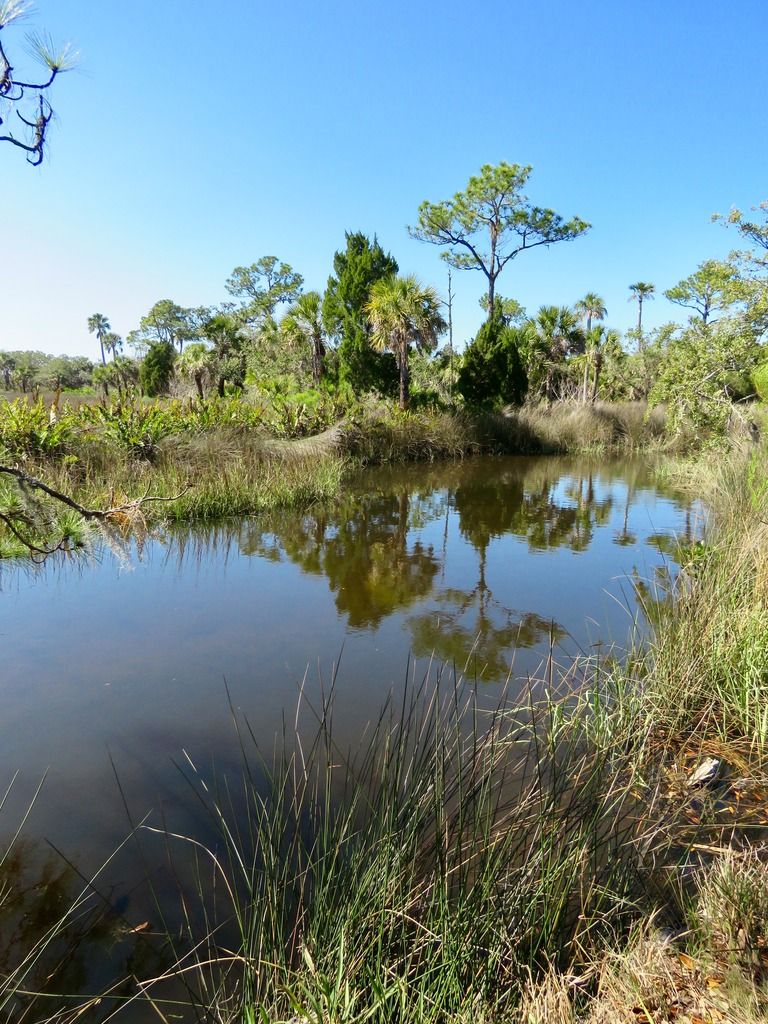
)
(88, 513)
(126, 515)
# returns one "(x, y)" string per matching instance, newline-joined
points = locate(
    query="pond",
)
(115, 666)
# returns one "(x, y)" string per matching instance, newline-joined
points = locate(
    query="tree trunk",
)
(318, 353)
(596, 382)
(549, 384)
(103, 357)
(199, 386)
(405, 379)
(586, 362)
(492, 274)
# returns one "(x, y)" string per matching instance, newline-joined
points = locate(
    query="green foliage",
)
(591, 307)
(302, 327)
(157, 369)
(491, 222)
(492, 373)
(227, 367)
(202, 417)
(65, 373)
(170, 324)
(548, 341)
(32, 429)
(760, 381)
(26, 370)
(302, 414)
(275, 361)
(356, 269)
(198, 364)
(122, 374)
(402, 312)
(263, 286)
(510, 310)
(135, 429)
(715, 285)
(753, 230)
(695, 372)
(434, 377)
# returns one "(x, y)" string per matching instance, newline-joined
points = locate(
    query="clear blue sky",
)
(197, 136)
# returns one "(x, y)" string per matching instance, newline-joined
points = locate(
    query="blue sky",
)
(198, 136)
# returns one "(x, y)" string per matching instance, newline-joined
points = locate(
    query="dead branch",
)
(126, 508)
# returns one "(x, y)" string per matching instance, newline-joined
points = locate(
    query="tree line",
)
(374, 329)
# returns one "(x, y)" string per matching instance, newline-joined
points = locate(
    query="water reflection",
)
(388, 546)
(61, 938)
(363, 548)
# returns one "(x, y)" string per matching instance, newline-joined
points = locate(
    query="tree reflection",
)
(382, 552)
(483, 649)
(532, 506)
(362, 549)
(61, 942)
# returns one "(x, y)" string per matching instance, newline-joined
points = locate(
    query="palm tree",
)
(125, 374)
(402, 312)
(600, 344)
(99, 325)
(304, 323)
(591, 307)
(641, 291)
(197, 362)
(113, 343)
(558, 335)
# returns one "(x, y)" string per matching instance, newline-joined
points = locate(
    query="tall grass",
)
(378, 433)
(422, 875)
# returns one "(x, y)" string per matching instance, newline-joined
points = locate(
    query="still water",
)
(115, 666)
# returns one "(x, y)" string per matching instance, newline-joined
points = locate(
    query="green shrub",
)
(157, 369)
(303, 413)
(492, 372)
(760, 381)
(32, 429)
(136, 429)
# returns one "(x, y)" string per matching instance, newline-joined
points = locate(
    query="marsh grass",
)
(380, 434)
(577, 427)
(422, 875)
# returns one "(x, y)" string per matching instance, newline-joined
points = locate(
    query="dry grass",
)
(569, 426)
(380, 434)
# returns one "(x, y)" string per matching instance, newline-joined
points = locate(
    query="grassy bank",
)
(382, 435)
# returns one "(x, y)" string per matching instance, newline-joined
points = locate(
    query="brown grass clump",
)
(548, 1000)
